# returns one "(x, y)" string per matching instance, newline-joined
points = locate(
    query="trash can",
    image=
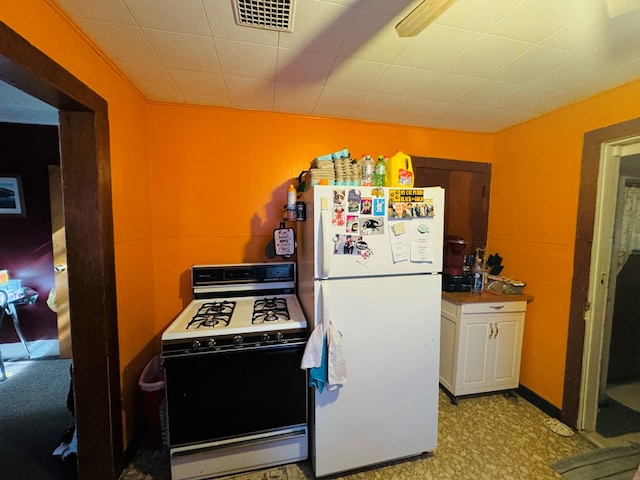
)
(151, 383)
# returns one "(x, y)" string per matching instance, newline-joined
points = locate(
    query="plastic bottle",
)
(478, 277)
(366, 171)
(399, 171)
(380, 172)
(291, 204)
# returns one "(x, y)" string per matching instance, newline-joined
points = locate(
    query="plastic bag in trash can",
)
(152, 377)
(151, 383)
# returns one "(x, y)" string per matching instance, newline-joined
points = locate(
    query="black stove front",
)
(236, 396)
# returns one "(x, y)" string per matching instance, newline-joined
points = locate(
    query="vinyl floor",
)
(488, 437)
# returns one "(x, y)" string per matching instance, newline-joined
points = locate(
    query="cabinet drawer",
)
(494, 307)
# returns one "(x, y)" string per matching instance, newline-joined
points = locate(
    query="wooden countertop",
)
(460, 298)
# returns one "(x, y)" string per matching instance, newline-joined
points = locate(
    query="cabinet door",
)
(448, 351)
(474, 355)
(507, 344)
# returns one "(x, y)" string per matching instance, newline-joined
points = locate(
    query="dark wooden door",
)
(467, 186)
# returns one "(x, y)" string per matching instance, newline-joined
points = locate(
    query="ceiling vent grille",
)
(267, 14)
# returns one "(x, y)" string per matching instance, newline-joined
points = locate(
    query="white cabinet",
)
(480, 344)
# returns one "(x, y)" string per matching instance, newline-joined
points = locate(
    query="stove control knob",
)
(238, 340)
(265, 337)
(195, 345)
(211, 343)
(279, 337)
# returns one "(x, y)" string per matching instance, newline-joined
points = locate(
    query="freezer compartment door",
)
(388, 408)
(368, 231)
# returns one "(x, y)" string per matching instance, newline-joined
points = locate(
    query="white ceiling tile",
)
(529, 99)
(501, 60)
(318, 27)
(534, 63)
(380, 105)
(185, 16)
(247, 60)
(492, 119)
(395, 7)
(355, 74)
(199, 83)
(114, 11)
(372, 37)
(411, 81)
(436, 47)
(163, 95)
(295, 66)
(572, 74)
(535, 20)
(294, 97)
(476, 15)
(149, 78)
(250, 93)
(486, 56)
(445, 86)
(418, 111)
(339, 98)
(597, 34)
(208, 100)
(586, 34)
(121, 42)
(486, 92)
(187, 52)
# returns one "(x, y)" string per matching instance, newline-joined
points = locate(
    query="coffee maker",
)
(456, 276)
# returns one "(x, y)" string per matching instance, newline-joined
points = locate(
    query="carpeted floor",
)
(34, 416)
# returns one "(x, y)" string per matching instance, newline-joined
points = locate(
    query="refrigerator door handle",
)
(324, 295)
(325, 238)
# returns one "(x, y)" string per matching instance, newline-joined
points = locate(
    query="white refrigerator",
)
(370, 262)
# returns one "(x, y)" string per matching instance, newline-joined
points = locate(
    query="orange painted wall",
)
(45, 27)
(161, 156)
(532, 221)
(220, 177)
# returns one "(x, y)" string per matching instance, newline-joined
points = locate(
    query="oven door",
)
(234, 393)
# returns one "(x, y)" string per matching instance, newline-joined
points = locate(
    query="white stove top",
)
(240, 322)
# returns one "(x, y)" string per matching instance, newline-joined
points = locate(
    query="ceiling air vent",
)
(267, 14)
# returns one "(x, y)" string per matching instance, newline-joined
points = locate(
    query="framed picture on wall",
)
(11, 197)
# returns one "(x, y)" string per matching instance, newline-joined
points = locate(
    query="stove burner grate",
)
(270, 310)
(212, 314)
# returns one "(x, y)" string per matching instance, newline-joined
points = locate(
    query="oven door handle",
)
(256, 440)
(233, 349)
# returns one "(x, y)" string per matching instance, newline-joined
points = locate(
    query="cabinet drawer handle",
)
(497, 307)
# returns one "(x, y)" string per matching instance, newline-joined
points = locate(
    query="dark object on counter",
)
(455, 248)
(493, 262)
(457, 283)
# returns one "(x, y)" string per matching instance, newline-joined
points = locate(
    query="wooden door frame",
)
(591, 154)
(86, 180)
(451, 165)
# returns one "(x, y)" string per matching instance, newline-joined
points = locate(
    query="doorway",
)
(85, 166)
(582, 370)
(612, 363)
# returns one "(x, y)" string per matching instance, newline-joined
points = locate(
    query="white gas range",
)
(236, 396)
